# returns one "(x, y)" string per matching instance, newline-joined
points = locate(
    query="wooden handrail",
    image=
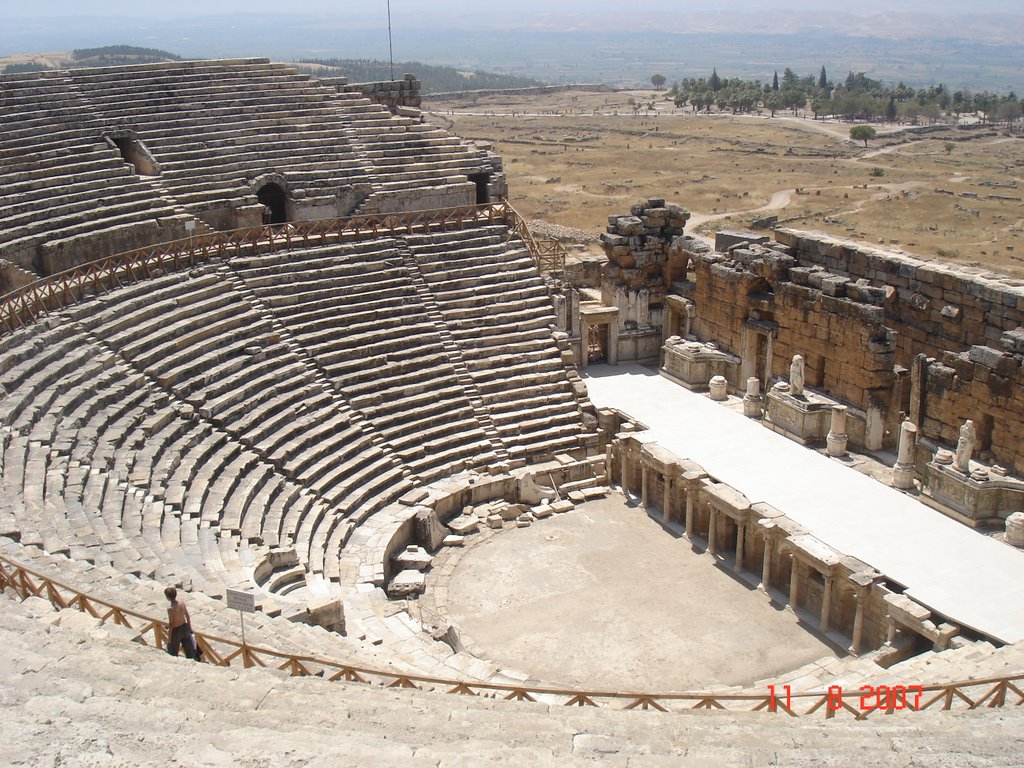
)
(971, 694)
(27, 304)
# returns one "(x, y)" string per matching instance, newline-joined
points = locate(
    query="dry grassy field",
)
(573, 158)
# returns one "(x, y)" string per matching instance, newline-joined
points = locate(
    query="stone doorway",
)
(597, 343)
(482, 182)
(275, 204)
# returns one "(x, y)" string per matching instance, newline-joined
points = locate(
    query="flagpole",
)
(391, 48)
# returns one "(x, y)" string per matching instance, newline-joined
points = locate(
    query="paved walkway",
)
(974, 580)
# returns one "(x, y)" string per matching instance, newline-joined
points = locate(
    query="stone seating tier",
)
(184, 422)
(211, 126)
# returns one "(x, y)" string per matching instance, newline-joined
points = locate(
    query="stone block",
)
(986, 356)
(562, 506)
(429, 531)
(454, 540)
(407, 583)
(495, 521)
(413, 558)
(541, 511)
(464, 525)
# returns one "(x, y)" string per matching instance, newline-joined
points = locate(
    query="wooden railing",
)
(63, 289)
(221, 651)
(548, 255)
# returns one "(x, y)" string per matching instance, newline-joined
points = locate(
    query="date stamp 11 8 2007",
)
(866, 698)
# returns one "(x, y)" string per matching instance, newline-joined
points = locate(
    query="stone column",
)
(740, 533)
(766, 564)
(752, 399)
(643, 483)
(584, 343)
(890, 630)
(613, 340)
(858, 624)
(768, 360)
(712, 528)
(826, 603)
(719, 388)
(691, 312)
(666, 499)
(903, 470)
(837, 437)
(624, 459)
(794, 582)
(690, 493)
(608, 462)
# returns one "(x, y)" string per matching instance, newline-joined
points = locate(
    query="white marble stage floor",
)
(976, 581)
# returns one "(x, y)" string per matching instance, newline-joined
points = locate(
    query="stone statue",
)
(796, 376)
(965, 446)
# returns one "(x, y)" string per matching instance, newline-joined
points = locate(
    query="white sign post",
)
(242, 601)
(190, 226)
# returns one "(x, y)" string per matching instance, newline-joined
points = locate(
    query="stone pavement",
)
(976, 581)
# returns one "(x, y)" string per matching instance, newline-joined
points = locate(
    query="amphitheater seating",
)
(355, 309)
(214, 129)
(62, 182)
(179, 428)
(275, 400)
(491, 299)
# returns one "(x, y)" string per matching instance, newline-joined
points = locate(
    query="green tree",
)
(863, 133)
(890, 109)
(715, 81)
(775, 82)
(823, 79)
(658, 81)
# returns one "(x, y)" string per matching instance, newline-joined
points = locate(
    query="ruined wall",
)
(985, 385)
(848, 350)
(641, 265)
(934, 306)
(390, 93)
(965, 321)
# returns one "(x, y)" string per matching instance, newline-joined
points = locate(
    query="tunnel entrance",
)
(275, 204)
(483, 195)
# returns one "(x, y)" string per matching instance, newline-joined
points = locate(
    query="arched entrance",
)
(275, 204)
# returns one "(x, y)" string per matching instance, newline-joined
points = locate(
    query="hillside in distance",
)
(978, 47)
(435, 79)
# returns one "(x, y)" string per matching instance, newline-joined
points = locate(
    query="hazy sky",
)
(410, 8)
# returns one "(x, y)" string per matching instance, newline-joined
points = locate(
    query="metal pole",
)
(241, 618)
(391, 48)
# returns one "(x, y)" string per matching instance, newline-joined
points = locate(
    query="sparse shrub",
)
(876, 172)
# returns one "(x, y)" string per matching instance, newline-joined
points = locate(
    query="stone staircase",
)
(454, 352)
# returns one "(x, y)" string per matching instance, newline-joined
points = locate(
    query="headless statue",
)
(796, 376)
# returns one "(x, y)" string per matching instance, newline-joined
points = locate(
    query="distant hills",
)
(435, 79)
(106, 56)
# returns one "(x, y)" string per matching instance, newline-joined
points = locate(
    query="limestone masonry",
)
(271, 333)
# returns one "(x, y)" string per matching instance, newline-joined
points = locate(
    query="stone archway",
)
(275, 203)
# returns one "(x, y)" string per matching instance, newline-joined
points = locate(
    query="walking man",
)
(181, 626)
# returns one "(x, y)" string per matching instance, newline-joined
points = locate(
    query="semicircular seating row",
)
(173, 428)
(212, 127)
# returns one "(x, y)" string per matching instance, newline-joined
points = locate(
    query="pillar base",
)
(903, 477)
(836, 444)
(752, 407)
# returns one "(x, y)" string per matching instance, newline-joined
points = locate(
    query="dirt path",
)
(778, 201)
